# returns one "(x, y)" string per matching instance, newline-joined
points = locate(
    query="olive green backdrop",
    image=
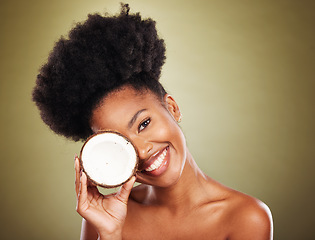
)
(242, 72)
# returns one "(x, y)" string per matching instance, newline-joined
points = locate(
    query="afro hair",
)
(99, 55)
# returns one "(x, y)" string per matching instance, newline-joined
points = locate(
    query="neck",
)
(187, 193)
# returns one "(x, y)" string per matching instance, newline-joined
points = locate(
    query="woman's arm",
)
(87, 231)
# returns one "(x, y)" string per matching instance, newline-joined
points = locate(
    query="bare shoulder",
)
(250, 218)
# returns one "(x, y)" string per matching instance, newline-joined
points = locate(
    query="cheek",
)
(169, 129)
(164, 128)
(164, 132)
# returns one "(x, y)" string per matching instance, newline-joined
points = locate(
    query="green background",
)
(241, 71)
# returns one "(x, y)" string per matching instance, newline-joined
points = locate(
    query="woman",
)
(106, 76)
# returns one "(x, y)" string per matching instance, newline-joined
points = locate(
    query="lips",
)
(155, 161)
(158, 162)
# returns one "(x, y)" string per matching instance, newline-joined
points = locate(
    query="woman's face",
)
(151, 126)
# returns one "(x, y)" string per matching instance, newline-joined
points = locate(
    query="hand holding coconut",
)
(106, 213)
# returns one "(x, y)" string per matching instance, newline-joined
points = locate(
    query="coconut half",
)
(109, 159)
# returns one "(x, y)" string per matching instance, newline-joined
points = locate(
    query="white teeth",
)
(157, 163)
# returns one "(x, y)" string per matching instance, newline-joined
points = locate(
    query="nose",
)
(143, 146)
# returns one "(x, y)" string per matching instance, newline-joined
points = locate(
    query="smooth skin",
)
(180, 202)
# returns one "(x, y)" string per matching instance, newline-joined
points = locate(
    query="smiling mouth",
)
(158, 162)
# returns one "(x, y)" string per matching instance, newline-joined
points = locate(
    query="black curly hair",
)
(99, 56)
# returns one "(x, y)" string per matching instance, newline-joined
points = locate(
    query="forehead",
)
(119, 107)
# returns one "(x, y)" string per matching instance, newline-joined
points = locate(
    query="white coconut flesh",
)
(109, 159)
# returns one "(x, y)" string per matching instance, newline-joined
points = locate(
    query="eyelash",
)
(144, 124)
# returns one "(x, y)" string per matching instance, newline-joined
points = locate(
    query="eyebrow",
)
(134, 118)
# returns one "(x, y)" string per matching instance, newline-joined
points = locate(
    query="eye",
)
(144, 124)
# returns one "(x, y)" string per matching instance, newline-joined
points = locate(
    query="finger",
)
(124, 191)
(82, 195)
(90, 186)
(77, 175)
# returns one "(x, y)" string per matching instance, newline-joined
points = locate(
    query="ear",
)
(172, 107)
